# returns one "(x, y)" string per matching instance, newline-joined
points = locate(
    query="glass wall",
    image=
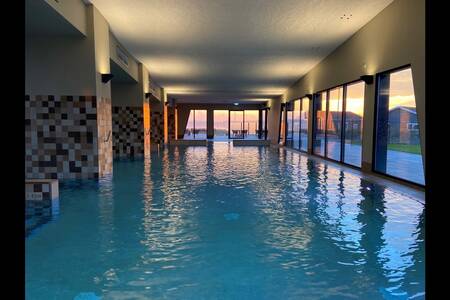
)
(304, 129)
(320, 108)
(397, 139)
(251, 126)
(354, 111)
(220, 124)
(296, 124)
(196, 125)
(341, 108)
(334, 123)
(236, 124)
(289, 123)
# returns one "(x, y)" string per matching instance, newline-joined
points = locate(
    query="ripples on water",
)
(228, 222)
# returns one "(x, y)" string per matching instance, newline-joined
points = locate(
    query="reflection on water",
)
(231, 223)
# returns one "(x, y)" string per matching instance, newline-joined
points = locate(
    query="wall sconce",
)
(309, 96)
(107, 77)
(147, 95)
(368, 79)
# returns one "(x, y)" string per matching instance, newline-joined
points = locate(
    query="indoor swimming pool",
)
(224, 222)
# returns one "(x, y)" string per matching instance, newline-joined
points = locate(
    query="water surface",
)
(224, 222)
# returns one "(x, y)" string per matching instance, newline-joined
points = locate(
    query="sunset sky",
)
(401, 93)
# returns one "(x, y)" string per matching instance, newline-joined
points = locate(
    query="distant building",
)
(403, 126)
(353, 123)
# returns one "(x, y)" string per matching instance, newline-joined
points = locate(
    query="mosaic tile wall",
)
(41, 189)
(157, 127)
(61, 137)
(128, 131)
(147, 131)
(41, 203)
(171, 122)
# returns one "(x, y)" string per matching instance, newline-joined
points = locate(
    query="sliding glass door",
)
(354, 111)
(304, 127)
(320, 109)
(397, 137)
(220, 124)
(196, 125)
(236, 121)
(296, 124)
(334, 124)
(251, 124)
(341, 109)
(289, 123)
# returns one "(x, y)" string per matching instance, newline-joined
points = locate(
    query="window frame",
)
(374, 132)
(343, 112)
(300, 126)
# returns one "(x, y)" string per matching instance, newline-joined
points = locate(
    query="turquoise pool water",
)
(226, 222)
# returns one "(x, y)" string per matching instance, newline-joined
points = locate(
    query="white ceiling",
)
(206, 50)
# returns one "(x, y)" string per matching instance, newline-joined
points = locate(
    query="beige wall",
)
(126, 94)
(73, 11)
(395, 37)
(62, 65)
(98, 29)
(132, 69)
(69, 65)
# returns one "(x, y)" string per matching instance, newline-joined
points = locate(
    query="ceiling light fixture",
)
(235, 103)
(346, 16)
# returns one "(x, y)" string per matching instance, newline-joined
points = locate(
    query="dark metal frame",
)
(344, 108)
(282, 105)
(283, 108)
(375, 123)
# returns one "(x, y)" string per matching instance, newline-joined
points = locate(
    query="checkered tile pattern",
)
(38, 191)
(128, 131)
(62, 137)
(41, 202)
(157, 128)
(171, 122)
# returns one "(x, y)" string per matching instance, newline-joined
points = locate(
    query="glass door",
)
(220, 125)
(236, 124)
(289, 124)
(251, 127)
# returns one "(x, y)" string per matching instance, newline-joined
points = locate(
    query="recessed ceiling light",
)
(235, 103)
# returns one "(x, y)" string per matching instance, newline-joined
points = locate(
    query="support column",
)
(209, 123)
(68, 132)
